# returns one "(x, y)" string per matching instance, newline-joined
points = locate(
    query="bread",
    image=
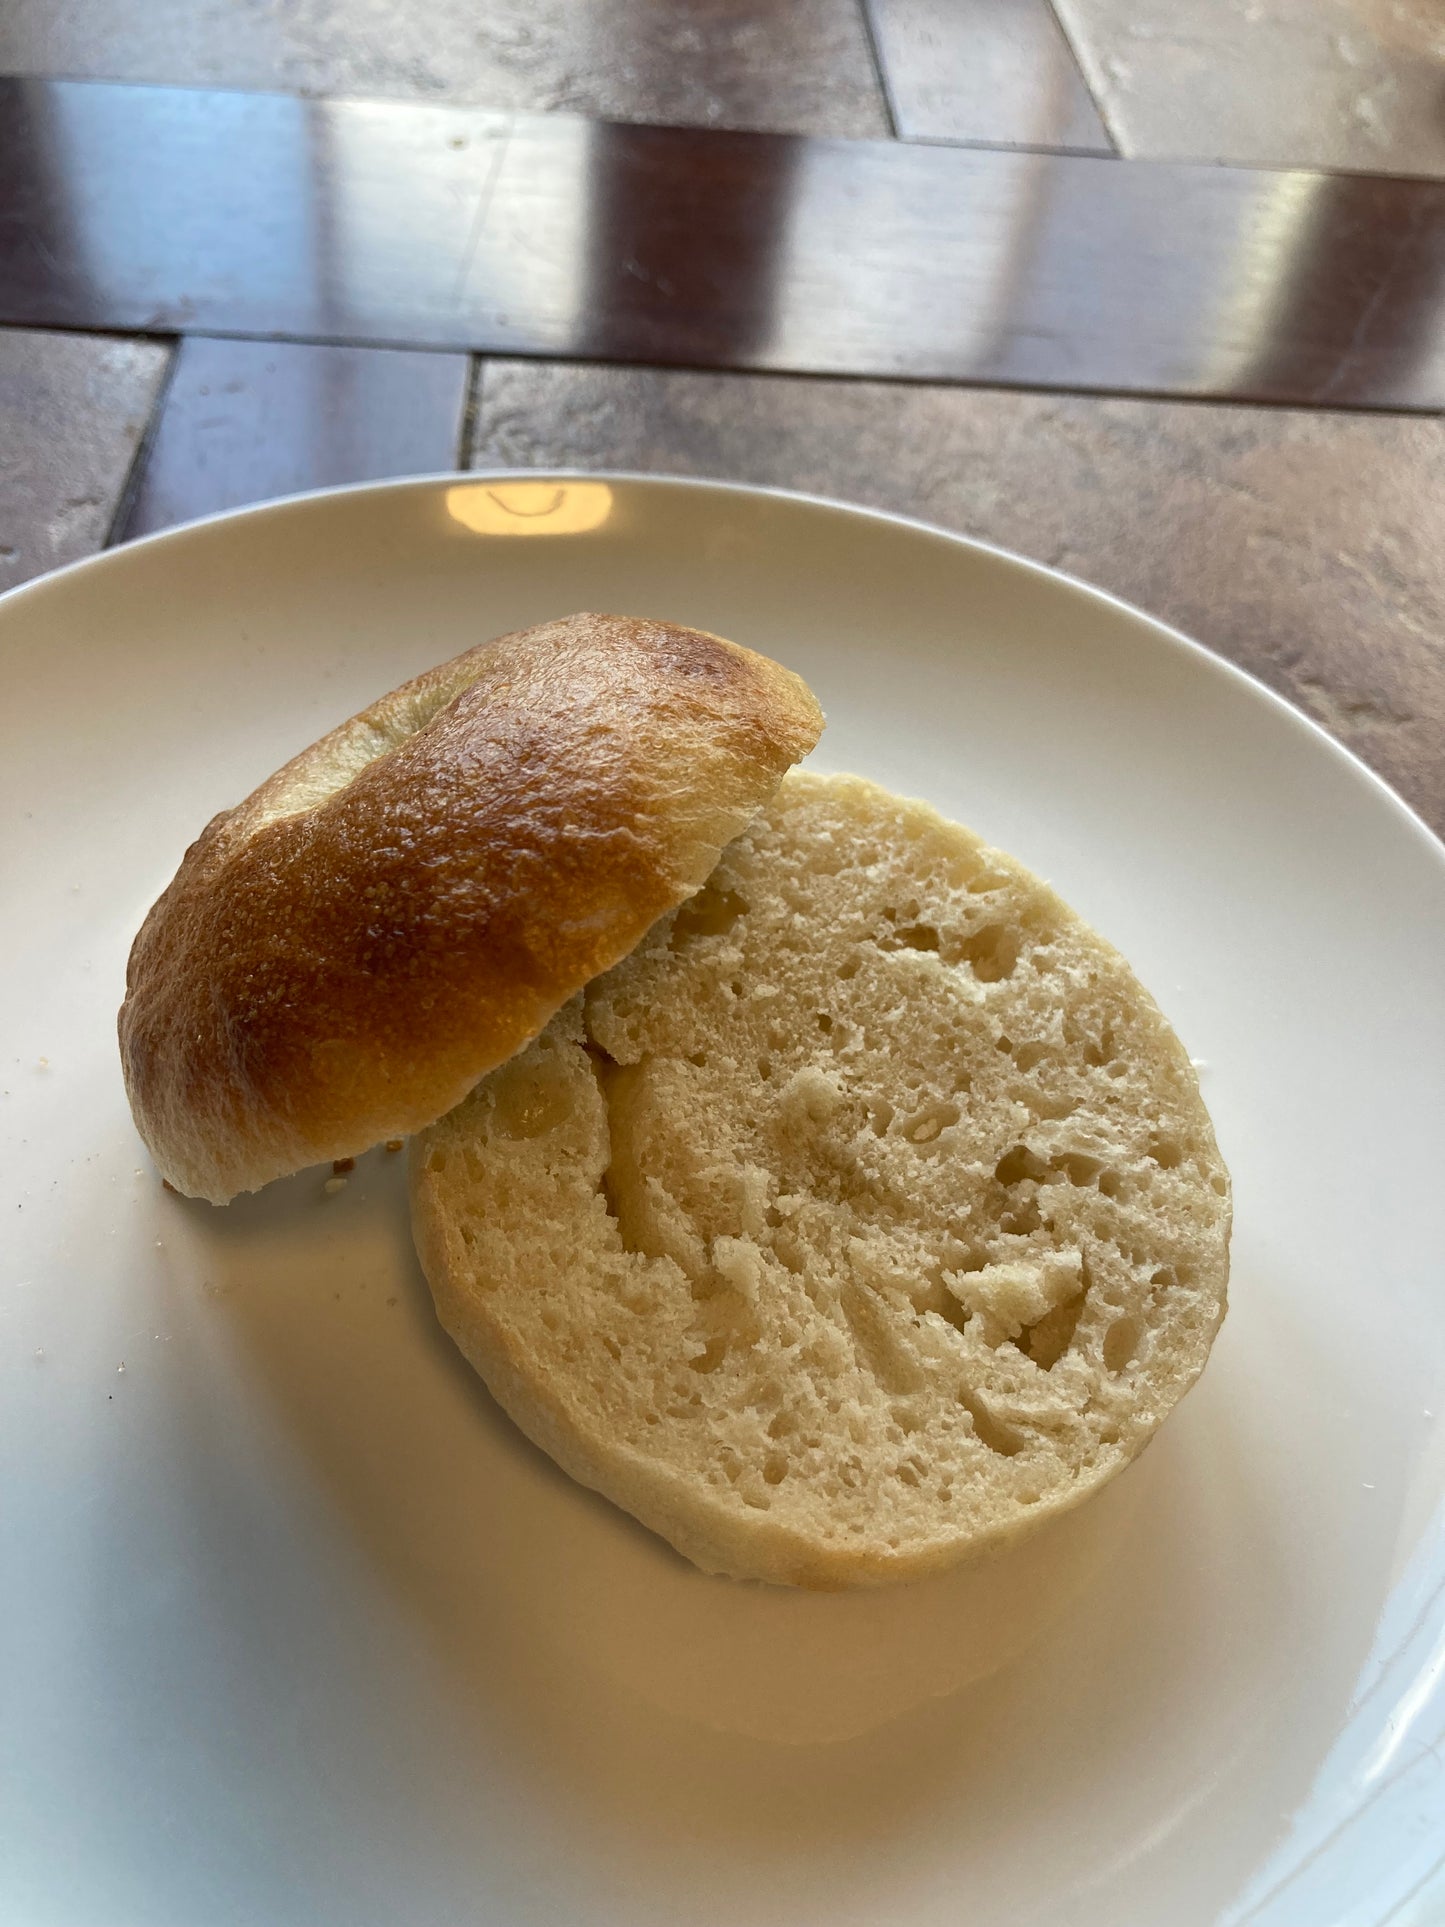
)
(408, 901)
(865, 1216)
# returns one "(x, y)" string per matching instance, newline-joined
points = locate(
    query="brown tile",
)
(246, 421)
(799, 67)
(1304, 546)
(72, 412)
(999, 71)
(1269, 83)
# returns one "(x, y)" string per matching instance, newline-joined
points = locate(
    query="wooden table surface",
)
(1101, 284)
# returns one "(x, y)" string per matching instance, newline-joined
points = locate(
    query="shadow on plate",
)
(697, 1713)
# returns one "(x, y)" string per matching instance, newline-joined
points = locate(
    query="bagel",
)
(863, 1217)
(406, 903)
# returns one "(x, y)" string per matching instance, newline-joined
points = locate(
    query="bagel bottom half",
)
(864, 1216)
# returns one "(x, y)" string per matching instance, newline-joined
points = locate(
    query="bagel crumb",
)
(333, 1185)
(394, 1143)
(834, 1304)
(343, 1164)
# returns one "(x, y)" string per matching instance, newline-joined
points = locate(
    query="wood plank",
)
(994, 71)
(246, 421)
(148, 208)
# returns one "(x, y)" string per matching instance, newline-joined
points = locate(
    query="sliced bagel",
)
(864, 1216)
(408, 901)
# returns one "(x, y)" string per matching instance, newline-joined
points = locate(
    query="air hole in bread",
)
(1077, 1167)
(1166, 1153)
(1029, 1056)
(765, 1068)
(1046, 1341)
(849, 968)
(1020, 1165)
(710, 912)
(1003, 1042)
(990, 1431)
(1111, 1183)
(1121, 1341)
(913, 936)
(944, 1305)
(1024, 1218)
(1046, 1108)
(1098, 1052)
(986, 880)
(925, 1125)
(825, 1022)
(711, 1356)
(992, 952)
(775, 1468)
(880, 1116)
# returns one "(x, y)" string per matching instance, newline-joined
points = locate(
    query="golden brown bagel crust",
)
(407, 902)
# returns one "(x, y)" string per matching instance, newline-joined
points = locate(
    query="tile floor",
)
(73, 409)
(1355, 84)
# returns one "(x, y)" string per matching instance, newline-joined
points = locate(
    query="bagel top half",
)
(406, 903)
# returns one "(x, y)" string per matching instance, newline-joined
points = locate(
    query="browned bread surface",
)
(867, 1214)
(407, 902)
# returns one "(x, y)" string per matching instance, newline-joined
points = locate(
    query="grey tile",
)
(1295, 83)
(996, 71)
(72, 411)
(246, 421)
(1304, 546)
(803, 67)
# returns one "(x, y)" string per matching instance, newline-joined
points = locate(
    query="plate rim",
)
(1145, 627)
(1199, 653)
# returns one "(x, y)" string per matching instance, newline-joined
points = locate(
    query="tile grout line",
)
(140, 460)
(880, 66)
(471, 410)
(1110, 131)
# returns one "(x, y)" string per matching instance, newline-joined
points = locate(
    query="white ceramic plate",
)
(299, 1630)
